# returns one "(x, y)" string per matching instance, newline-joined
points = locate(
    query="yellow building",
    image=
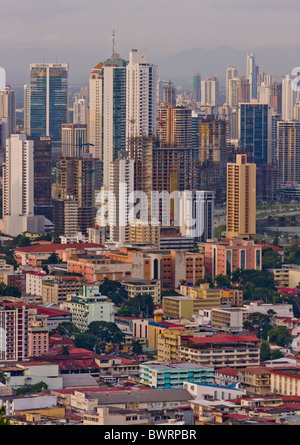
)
(178, 306)
(232, 297)
(203, 297)
(256, 381)
(167, 344)
(140, 233)
(285, 382)
(241, 198)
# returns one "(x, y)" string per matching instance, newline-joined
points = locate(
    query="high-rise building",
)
(252, 74)
(13, 333)
(210, 92)
(95, 111)
(80, 110)
(121, 185)
(18, 187)
(231, 73)
(48, 99)
(288, 98)
(42, 150)
(8, 107)
(174, 126)
(241, 198)
(141, 96)
(26, 124)
(73, 140)
(197, 87)
(169, 94)
(255, 130)
(197, 214)
(114, 111)
(78, 179)
(288, 151)
(276, 97)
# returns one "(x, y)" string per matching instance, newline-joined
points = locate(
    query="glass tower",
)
(48, 101)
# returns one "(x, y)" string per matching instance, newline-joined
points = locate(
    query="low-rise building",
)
(221, 351)
(163, 375)
(91, 306)
(55, 291)
(255, 380)
(213, 391)
(228, 319)
(135, 286)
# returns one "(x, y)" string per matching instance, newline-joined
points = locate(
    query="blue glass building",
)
(48, 99)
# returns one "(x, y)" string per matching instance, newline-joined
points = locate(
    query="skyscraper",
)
(18, 187)
(288, 98)
(73, 140)
(241, 198)
(8, 107)
(48, 99)
(210, 92)
(231, 72)
(288, 151)
(95, 111)
(141, 96)
(255, 130)
(197, 87)
(26, 123)
(252, 74)
(114, 110)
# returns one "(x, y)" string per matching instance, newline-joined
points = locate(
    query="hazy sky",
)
(160, 26)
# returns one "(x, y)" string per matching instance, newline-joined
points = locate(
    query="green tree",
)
(3, 419)
(223, 281)
(276, 354)
(2, 377)
(260, 323)
(265, 351)
(281, 336)
(114, 290)
(137, 348)
(271, 259)
(65, 329)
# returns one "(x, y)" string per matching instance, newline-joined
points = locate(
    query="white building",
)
(18, 187)
(282, 310)
(95, 111)
(114, 111)
(91, 306)
(80, 110)
(210, 92)
(27, 108)
(121, 186)
(288, 98)
(34, 282)
(231, 72)
(141, 96)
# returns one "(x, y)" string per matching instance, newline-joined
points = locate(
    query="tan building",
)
(115, 416)
(135, 286)
(232, 297)
(241, 198)
(56, 291)
(256, 381)
(228, 319)
(281, 276)
(144, 234)
(168, 344)
(221, 351)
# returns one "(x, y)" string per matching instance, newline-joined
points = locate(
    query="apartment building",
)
(256, 380)
(224, 257)
(221, 351)
(56, 290)
(13, 332)
(228, 319)
(135, 286)
(163, 375)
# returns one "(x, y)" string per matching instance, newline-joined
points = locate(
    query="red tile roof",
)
(49, 248)
(228, 371)
(224, 339)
